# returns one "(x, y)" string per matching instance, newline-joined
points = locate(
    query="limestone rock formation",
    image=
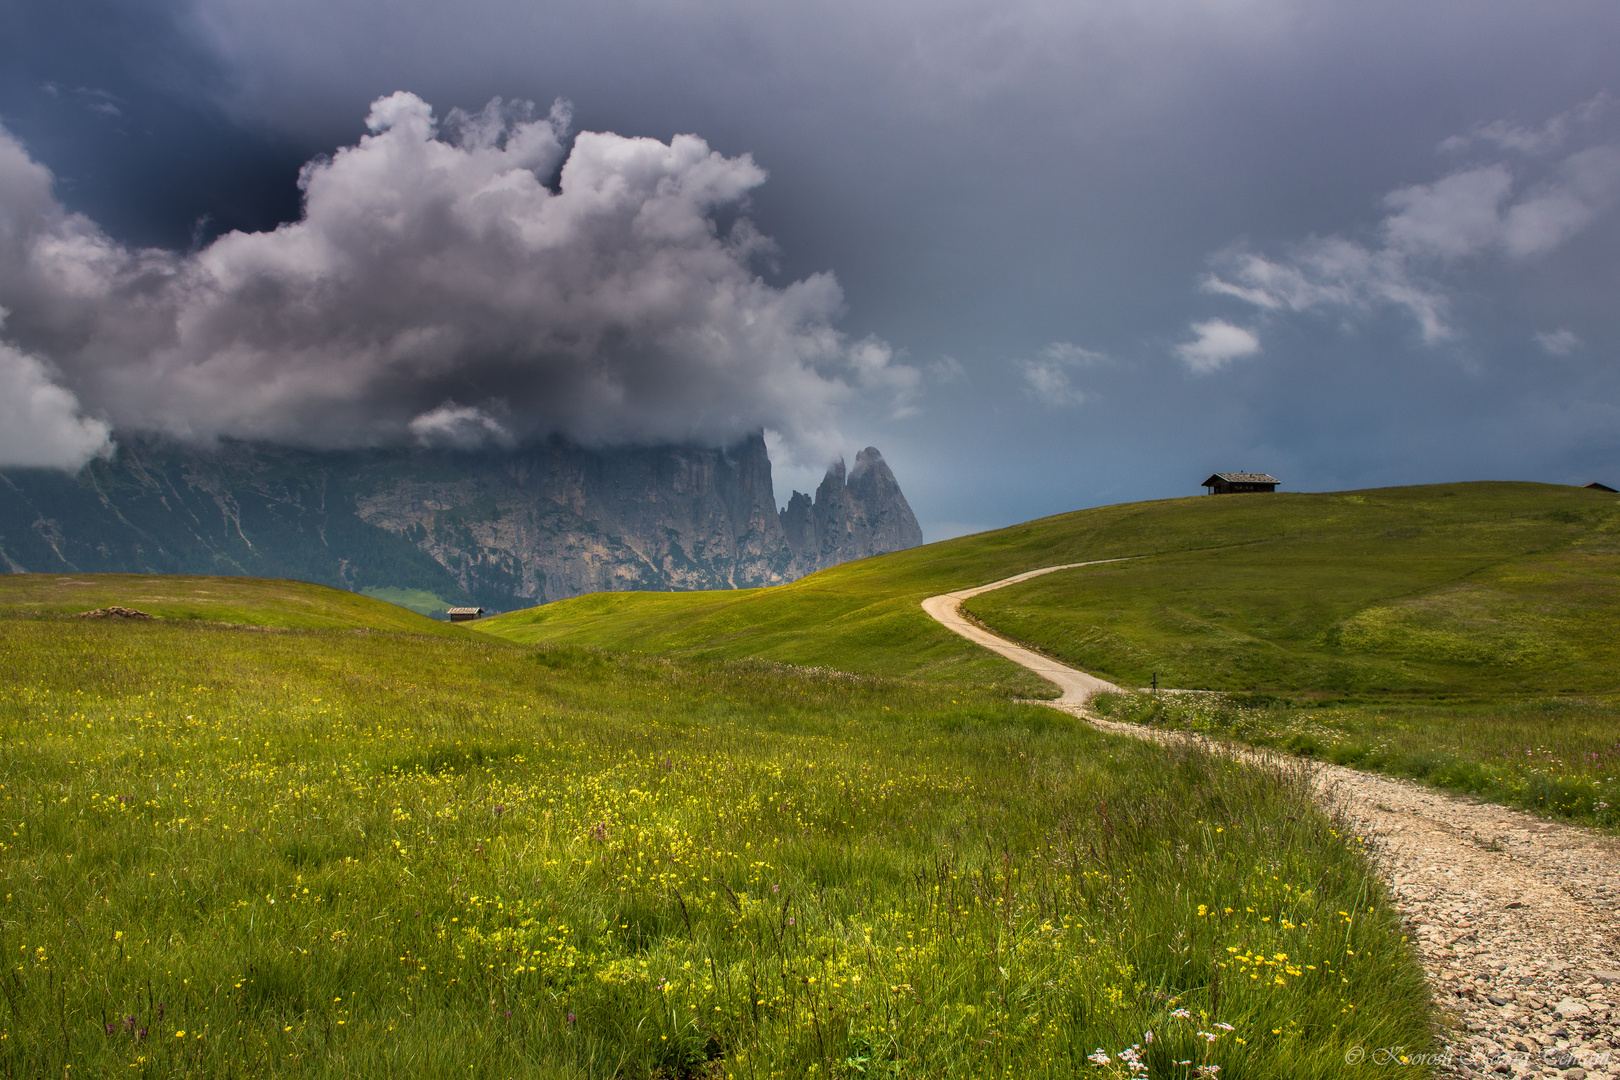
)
(500, 529)
(851, 517)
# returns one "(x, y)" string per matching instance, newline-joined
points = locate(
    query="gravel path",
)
(1517, 919)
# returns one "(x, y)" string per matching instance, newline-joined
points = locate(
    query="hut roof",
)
(465, 611)
(1242, 478)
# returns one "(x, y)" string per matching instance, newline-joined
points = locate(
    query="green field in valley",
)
(282, 831)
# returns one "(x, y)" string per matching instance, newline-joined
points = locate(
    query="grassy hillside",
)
(1465, 634)
(248, 601)
(1480, 653)
(1391, 593)
(418, 600)
(230, 853)
(864, 616)
(805, 831)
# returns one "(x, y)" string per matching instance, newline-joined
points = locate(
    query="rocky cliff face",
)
(851, 517)
(552, 521)
(503, 530)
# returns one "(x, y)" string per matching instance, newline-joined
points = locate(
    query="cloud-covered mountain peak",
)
(437, 290)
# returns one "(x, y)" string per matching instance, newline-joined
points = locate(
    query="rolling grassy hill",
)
(1467, 634)
(269, 602)
(1225, 592)
(1477, 651)
(420, 851)
(761, 833)
(1394, 593)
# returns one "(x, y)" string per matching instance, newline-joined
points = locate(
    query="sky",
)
(1044, 255)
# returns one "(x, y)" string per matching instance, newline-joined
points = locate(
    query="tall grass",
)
(228, 852)
(1552, 756)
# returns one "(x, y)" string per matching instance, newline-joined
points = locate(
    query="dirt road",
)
(1517, 919)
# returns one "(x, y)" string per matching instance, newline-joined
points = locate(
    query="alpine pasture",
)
(284, 830)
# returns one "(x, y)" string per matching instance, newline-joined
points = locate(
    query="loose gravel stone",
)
(1514, 918)
(1522, 909)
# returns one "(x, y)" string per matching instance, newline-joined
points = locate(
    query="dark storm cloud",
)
(1395, 196)
(123, 105)
(435, 288)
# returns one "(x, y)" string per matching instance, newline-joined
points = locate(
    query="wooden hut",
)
(1233, 483)
(1595, 486)
(465, 614)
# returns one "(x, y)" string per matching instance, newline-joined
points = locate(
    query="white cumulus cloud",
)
(1542, 139)
(1332, 272)
(435, 283)
(1456, 216)
(1217, 344)
(1433, 230)
(1476, 212)
(40, 422)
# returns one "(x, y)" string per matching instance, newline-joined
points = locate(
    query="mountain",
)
(851, 518)
(430, 528)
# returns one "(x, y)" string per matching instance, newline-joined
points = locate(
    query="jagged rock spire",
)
(852, 516)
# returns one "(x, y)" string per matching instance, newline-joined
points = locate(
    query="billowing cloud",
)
(872, 364)
(1432, 230)
(1456, 216)
(450, 282)
(1049, 376)
(1217, 344)
(40, 423)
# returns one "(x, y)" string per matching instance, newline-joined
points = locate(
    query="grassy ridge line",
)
(226, 853)
(1479, 656)
(245, 601)
(864, 616)
(1466, 610)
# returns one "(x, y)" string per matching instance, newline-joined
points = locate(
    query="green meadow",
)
(256, 602)
(1353, 604)
(283, 831)
(1464, 634)
(1223, 592)
(418, 600)
(1479, 653)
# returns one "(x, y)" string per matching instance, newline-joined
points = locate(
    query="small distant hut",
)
(465, 614)
(1233, 483)
(1595, 486)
